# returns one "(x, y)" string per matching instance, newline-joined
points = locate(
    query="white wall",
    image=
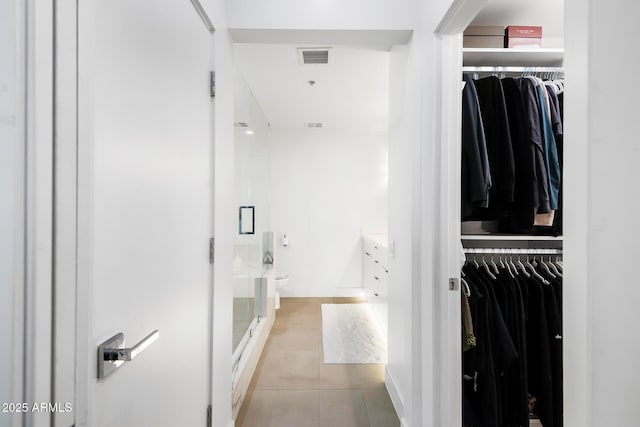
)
(601, 233)
(325, 186)
(404, 134)
(322, 14)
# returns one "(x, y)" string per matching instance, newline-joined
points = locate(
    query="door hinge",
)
(212, 84)
(209, 410)
(211, 249)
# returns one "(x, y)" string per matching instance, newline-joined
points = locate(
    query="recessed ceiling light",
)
(249, 132)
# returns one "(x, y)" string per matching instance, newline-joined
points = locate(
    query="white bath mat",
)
(350, 335)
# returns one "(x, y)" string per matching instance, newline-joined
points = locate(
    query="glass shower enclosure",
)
(252, 257)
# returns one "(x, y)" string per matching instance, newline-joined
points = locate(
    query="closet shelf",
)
(507, 237)
(531, 57)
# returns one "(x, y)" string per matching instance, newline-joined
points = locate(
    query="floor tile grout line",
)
(365, 380)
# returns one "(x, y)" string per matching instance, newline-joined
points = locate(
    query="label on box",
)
(519, 31)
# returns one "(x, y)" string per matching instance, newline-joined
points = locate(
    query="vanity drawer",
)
(368, 247)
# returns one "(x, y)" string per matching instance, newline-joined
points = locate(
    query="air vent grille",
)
(314, 125)
(313, 56)
(241, 124)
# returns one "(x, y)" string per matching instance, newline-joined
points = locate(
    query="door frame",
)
(65, 212)
(35, 94)
(447, 257)
(15, 318)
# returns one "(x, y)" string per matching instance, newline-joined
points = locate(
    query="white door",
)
(144, 200)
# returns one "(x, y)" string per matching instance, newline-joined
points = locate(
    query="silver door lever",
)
(112, 353)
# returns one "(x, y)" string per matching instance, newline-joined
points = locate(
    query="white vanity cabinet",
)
(375, 261)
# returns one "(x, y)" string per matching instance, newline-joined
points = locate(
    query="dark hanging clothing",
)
(520, 220)
(520, 356)
(515, 379)
(521, 414)
(516, 186)
(551, 154)
(476, 175)
(554, 325)
(499, 148)
(479, 386)
(539, 358)
(556, 117)
(534, 131)
(556, 121)
(486, 365)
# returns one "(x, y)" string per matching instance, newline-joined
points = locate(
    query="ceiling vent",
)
(241, 124)
(314, 56)
(314, 125)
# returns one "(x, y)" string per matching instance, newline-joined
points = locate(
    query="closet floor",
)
(293, 387)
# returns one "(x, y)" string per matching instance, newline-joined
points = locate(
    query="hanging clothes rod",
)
(513, 251)
(498, 69)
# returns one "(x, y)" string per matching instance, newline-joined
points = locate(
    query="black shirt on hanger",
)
(521, 217)
(538, 358)
(499, 148)
(476, 176)
(534, 127)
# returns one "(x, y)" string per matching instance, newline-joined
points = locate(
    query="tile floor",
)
(293, 387)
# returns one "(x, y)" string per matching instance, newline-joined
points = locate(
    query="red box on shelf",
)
(522, 36)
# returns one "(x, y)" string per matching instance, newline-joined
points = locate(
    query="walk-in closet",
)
(511, 224)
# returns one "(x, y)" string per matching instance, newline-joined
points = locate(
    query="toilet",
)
(281, 281)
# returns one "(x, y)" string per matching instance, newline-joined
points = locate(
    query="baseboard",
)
(337, 292)
(396, 398)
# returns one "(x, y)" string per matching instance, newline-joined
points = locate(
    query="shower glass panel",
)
(251, 164)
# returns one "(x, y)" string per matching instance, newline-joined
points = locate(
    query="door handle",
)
(112, 353)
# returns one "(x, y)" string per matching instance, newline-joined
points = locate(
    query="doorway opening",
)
(320, 172)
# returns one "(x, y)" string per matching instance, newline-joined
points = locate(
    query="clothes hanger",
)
(514, 269)
(559, 265)
(535, 273)
(546, 268)
(486, 267)
(552, 85)
(466, 287)
(508, 268)
(553, 267)
(495, 267)
(522, 267)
